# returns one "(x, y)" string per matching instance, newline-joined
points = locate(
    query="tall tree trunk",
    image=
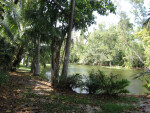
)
(37, 68)
(68, 41)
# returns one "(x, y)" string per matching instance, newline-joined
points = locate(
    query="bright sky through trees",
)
(122, 5)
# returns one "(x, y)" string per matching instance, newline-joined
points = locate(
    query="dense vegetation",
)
(39, 32)
(118, 45)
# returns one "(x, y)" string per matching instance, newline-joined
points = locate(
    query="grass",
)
(69, 102)
(117, 67)
(24, 68)
(116, 108)
(56, 102)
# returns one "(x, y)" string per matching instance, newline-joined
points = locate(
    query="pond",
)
(135, 86)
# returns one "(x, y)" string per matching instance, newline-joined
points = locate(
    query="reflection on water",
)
(80, 90)
(135, 86)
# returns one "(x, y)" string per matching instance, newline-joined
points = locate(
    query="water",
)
(135, 86)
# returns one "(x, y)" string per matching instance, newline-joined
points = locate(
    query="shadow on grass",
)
(26, 93)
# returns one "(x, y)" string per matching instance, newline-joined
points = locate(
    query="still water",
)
(135, 86)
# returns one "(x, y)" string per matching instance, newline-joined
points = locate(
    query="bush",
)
(69, 82)
(4, 78)
(99, 83)
(147, 85)
(93, 82)
(6, 54)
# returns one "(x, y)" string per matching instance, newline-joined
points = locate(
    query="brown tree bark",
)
(37, 67)
(55, 59)
(68, 41)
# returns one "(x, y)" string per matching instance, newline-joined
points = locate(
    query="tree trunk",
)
(27, 63)
(68, 41)
(23, 60)
(55, 59)
(17, 59)
(33, 66)
(37, 68)
(126, 42)
(52, 79)
(55, 64)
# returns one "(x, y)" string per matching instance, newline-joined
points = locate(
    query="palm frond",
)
(7, 30)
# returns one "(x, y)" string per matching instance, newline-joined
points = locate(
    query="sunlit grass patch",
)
(24, 68)
(117, 67)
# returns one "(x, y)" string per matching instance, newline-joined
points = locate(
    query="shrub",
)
(147, 85)
(70, 81)
(93, 82)
(4, 78)
(99, 83)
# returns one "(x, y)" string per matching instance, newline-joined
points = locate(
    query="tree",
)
(126, 29)
(13, 26)
(83, 18)
(37, 67)
(68, 41)
(47, 22)
(101, 46)
(144, 34)
(139, 11)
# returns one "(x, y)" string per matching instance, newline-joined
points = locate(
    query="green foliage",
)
(144, 34)
(69, 82)
(112, 46)
(4, 78)
(43, 71)
(100, 83)
(115, 108)
(6, 54)
(137, 63)
(139, 11)
(147, 84)
(118, 59)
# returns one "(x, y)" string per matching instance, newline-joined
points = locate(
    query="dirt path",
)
(28, 94)
(14, 98)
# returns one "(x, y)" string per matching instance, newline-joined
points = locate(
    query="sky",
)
(112, 18)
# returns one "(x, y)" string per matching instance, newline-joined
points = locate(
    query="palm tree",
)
(14, 27)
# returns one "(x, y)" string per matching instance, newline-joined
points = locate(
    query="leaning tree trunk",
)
(126, 42)
(37, 67)
(68, 41)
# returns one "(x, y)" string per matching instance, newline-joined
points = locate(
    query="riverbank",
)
(112, 66)
(27, 93)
